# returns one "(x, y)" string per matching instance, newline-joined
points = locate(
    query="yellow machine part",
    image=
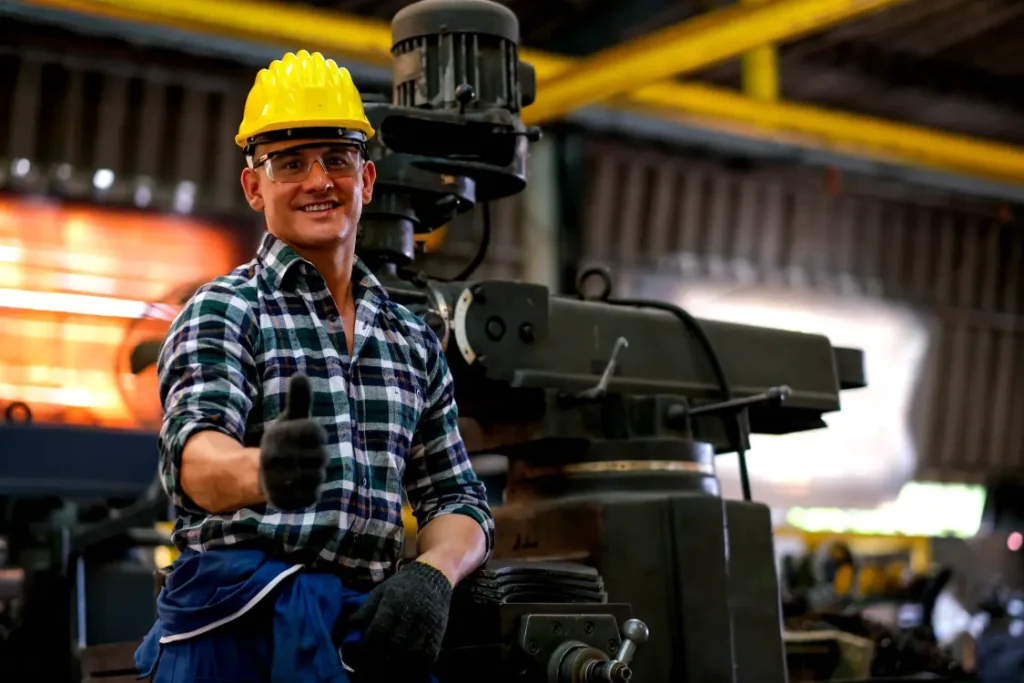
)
(844, 580)
(409, 521)
(884, 561)
(165, 556)
(430, 242)
(919, 548)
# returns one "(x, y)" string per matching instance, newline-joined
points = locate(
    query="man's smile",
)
(320, 209)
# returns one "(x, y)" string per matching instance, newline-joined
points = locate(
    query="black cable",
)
(481, 251)
(478, 257)
(736, 435)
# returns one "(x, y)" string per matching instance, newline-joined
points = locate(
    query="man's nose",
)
(318, 180)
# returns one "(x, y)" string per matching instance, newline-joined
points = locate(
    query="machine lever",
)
(634, 634)
(679, 414)
(774, 394)
(597, 392)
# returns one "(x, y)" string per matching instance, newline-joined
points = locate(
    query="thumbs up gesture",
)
(293, 454)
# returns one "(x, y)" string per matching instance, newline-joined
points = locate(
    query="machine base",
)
(698, 570)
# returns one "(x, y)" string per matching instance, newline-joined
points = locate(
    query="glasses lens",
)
(340, 161)
(293, 166)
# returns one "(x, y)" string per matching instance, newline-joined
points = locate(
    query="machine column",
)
(541, 215)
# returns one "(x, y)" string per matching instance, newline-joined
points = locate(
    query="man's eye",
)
(337, 161)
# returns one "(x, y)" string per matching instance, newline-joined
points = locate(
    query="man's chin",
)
(321, 236)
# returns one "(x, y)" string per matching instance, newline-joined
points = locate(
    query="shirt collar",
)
(278, 259)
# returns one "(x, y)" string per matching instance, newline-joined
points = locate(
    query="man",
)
(297, 402)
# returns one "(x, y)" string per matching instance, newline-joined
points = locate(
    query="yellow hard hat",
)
(301, 96)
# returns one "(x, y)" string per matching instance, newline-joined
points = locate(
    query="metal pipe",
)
(761, 69)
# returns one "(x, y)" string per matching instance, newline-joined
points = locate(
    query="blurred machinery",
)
(615, 557)
(856, 614)
(1000, 641)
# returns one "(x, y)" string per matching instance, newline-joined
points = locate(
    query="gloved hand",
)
(293, 453)
(403, 623)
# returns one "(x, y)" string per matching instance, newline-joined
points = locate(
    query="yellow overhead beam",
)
(687, 46)
(364, 39)
(761, 69)
(842, 132)
(370, 40)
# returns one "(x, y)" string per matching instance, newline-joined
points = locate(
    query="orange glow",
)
(75, 289)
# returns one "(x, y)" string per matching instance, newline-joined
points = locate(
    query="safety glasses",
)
(294, 164)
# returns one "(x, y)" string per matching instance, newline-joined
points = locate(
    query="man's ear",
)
(369, 176)
(251, 187)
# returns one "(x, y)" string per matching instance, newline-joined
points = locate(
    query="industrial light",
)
(76, 304)
(143, 196)
(64, 172)
(103, 179)
(21, 168)
(184, 197)
(63, 180)
(921, 509)
(73, 281)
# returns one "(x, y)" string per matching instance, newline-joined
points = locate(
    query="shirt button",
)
(332, 318)
(363, 482)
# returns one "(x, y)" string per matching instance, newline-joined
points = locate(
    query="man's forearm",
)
(455, 544)
(218, 474)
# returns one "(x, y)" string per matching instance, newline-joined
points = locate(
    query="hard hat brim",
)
(306, 129)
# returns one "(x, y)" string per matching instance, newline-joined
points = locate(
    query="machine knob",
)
(634, 634)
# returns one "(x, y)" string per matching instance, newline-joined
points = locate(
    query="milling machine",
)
(613, 539)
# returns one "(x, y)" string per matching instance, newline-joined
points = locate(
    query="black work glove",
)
(403, 623)
(293, 453)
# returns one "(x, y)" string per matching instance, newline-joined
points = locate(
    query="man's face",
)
(315, 210)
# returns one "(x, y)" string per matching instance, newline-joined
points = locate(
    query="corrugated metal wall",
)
(957, 262)
(170, 129)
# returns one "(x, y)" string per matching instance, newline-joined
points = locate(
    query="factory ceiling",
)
(928, 66)
(955, 65)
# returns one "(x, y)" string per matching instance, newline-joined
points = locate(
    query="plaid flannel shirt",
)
(389, 412)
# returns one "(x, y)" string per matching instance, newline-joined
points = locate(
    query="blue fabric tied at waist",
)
(205, 633)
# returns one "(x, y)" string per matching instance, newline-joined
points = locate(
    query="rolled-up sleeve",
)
(439, 478)
(207, 376)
